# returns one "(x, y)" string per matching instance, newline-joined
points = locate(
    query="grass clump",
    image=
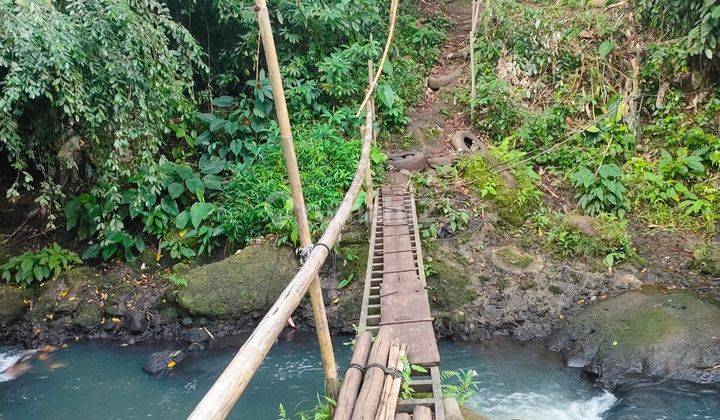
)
(603, 237)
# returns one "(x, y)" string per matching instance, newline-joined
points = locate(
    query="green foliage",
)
(406, 391)
(601, 192)
(677, 186)
(515, 195)
(176, 280)
(30, 268)
(605, 237)
(167, 202)
(696, 22)
(495, 112)
(323, 410)
(460, 385)
(257, 200)
(87, 88)
(434, 197)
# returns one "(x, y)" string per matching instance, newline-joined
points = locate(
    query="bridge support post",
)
(283, 118)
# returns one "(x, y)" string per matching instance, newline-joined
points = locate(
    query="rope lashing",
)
(304, 252)
(394, 372)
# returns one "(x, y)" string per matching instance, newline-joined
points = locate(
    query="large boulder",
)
(247, 282)
(665, 335)
(12, 305)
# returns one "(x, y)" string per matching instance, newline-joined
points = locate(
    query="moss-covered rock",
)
(77, 277)
(706, 259)
(664, 335)
(88, 315)
(450, 284)
(12, 305)
(512, 259)
(246, 282)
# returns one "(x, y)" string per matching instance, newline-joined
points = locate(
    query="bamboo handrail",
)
(283, 117)
(222, 396)
(388, 42)
(219, 400)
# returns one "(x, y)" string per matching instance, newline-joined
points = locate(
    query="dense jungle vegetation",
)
(133, 125)
(615, 103)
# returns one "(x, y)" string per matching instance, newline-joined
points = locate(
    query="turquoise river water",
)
(100, 380)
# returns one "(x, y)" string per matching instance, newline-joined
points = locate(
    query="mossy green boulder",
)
(247, 282)
(12, 305)
(665, 335)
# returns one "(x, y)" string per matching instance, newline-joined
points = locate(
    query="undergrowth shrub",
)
(30, 268)
(86, 90)
(603, 237)
(257, 199)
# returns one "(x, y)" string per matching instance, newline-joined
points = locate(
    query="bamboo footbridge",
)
(395, 321)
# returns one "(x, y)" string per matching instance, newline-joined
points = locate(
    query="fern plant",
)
(33, 267)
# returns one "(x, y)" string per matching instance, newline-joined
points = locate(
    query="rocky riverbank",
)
(482, 283)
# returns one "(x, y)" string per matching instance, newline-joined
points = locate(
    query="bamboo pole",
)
(473, 29)
(283, 117)
(219, 400)
(387, 382)
(353, 377)
(369, 397)
(395, 390)
(422, 413)
(388, 402)
(369, 136)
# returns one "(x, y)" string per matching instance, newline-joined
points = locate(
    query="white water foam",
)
(532, 406)
(7, 359)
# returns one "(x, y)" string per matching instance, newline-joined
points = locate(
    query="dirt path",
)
(438, 116)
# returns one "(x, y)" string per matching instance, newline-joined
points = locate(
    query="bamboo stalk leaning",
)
(369, 135)
(387, 384)
(391, 32)
(473, 32)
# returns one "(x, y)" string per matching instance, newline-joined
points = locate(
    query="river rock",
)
(12, 306)
(706, 259)
(627, 282)
(249, 281)
(664, 335)
(409, 160)
(135, 321)
(163, 361)
(88, 315)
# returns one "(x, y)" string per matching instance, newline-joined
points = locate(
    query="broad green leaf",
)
(195, 185)
(609, 170)
(181, 220)
(223, 101)
(606, 48)
(175, 189)
(199, 212)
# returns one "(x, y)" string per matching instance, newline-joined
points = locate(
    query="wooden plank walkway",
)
(395, 291)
